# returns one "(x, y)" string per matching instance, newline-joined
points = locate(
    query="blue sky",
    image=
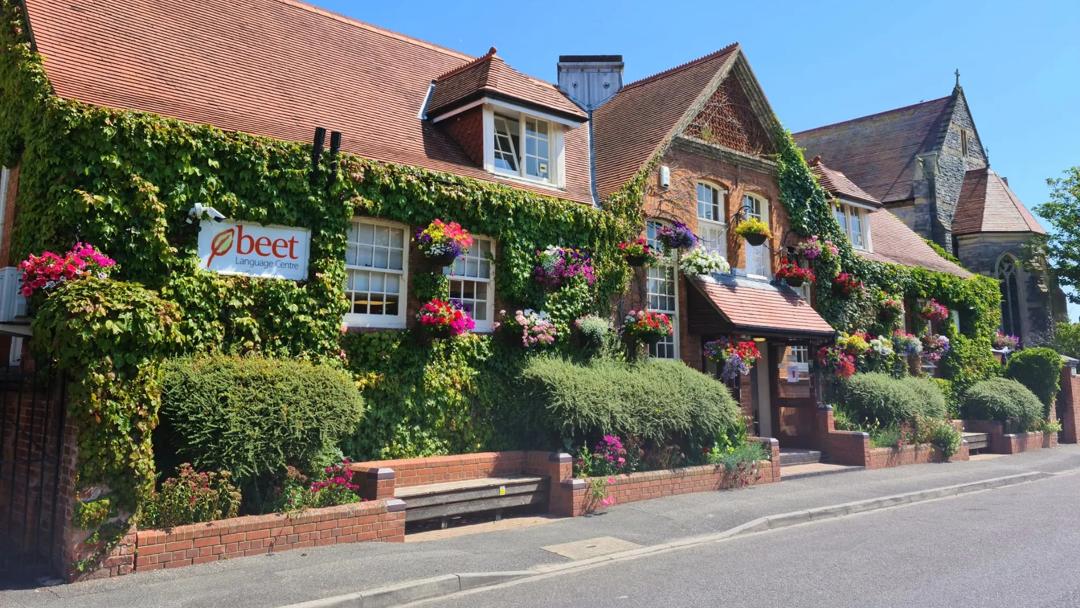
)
(819, 62)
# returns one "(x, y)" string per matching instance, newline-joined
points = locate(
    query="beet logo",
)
(221, 244)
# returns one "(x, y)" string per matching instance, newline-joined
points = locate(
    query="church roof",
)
(893, 242)
(878, 152)
(838, 184)
(987, 204)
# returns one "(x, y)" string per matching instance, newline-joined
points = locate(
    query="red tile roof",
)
(987, 204)
(632, 126)
(277, 68)
(878, 152)
(489, 75)
(838, 184)
(758, 306)
(893, 242)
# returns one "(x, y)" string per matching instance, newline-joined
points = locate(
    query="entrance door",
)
(762, 393)
(793, 405)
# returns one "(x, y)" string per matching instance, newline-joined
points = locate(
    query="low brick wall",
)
(853, 448)
(1001, 442)
(647, 485)
(143, 550)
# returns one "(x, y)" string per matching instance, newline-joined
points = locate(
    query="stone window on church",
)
(1010, 295)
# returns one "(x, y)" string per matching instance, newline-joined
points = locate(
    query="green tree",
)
(1062, 246)
(1067, 339)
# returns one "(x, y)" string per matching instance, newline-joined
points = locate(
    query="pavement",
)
(312, 575)
(1011, 547)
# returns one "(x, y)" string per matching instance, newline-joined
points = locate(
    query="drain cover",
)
(591, 547)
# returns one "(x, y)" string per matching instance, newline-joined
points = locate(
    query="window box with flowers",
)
(443, 242)
(754, 230)
(442, 319)
(42, 273)
(676, 236)
(646, 327)
(700, 262)
(795, 275)
(638, 253)
(734, 357)
(557, 266)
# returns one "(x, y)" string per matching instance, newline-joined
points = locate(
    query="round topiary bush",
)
(1039, 369)
(932, 403)
(254, 416)
(877, 398)
(1003, 400)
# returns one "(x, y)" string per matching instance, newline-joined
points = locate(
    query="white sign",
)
(793, 374)
(276, 252)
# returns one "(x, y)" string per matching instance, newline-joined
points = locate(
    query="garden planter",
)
(637, 261)
(445, 259)
(793, 282)
(755, 239)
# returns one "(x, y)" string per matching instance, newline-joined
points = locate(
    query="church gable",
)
(728, 119)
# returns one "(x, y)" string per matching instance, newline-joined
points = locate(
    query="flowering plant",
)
(335, 488)
(934, 311)
(558, 265)
(535, 328)
(638, 252)
(447, 318)
(676, 236)
(935, 347)
(837, 360)
(752, 229)
(855, 344)
(1003, 340)
(701, 262)
(890, 307)
(736, 357)
(906, 344)
(846, 284)
(646, 326)
(881, 346)
(443, 241)
(794, 274)
(813, 248)
(49, 269)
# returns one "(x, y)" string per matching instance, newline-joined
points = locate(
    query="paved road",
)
(1014, 547)
(297, 576)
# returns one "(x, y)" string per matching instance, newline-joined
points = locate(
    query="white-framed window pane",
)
(506, 144)
(757, 258)
(471, 277)
(661, 295)
(858, 240)
(710, 203)
(754, 207)
(537, 145)
(713, 237)
(375, 263)
(841, 218)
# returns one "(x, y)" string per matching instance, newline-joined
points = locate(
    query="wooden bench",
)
(470, 496)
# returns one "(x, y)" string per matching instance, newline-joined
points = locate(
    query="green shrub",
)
(1003, 400)
(932, 402)
(254, 416)
(952, 399)
(877, 399)
(1039, 369)
(940, 434)
(657, 401)
(190, 498)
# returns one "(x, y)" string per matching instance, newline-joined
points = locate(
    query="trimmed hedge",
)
(1039, 369)
(932, 402)
(1003, 400)
(663, 402)
(878, 398)
(254, 417)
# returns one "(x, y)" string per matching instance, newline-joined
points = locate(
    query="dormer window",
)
(854, 222)
(531, 160)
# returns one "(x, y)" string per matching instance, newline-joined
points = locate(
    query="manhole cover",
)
(591, 547)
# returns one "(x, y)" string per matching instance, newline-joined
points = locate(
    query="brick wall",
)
(647, 485)
(1001, 442)
(728, 119)
(853, 448)
(467, 129)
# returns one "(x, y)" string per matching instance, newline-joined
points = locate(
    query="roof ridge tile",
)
(682, 66)
(874, 115)
(465, 66)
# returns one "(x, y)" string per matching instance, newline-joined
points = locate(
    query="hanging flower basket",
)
(935, 347)
(529, 328)
(1006, 341)
(890, 309)
(700, 262)
(794, 274)
(906, 344)
(735, 358)
(442, 319)
(647, 327)
(443, 242)
(49, 270)
(557, 266)
(753, 230)
(845, 284)
(638, 253)
(934, 311)
(676, 237)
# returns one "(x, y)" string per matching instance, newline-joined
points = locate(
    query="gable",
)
(728, 119)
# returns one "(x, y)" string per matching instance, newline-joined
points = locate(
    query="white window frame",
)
(715, 228)
(847, 211)
(489, 310)
(800, 356)
(667, 266)
(762, 249)
(556, 145)
(382, 321)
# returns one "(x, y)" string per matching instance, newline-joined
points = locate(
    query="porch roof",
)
(754, 307)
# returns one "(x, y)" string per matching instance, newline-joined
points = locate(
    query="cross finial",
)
(957, 76)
